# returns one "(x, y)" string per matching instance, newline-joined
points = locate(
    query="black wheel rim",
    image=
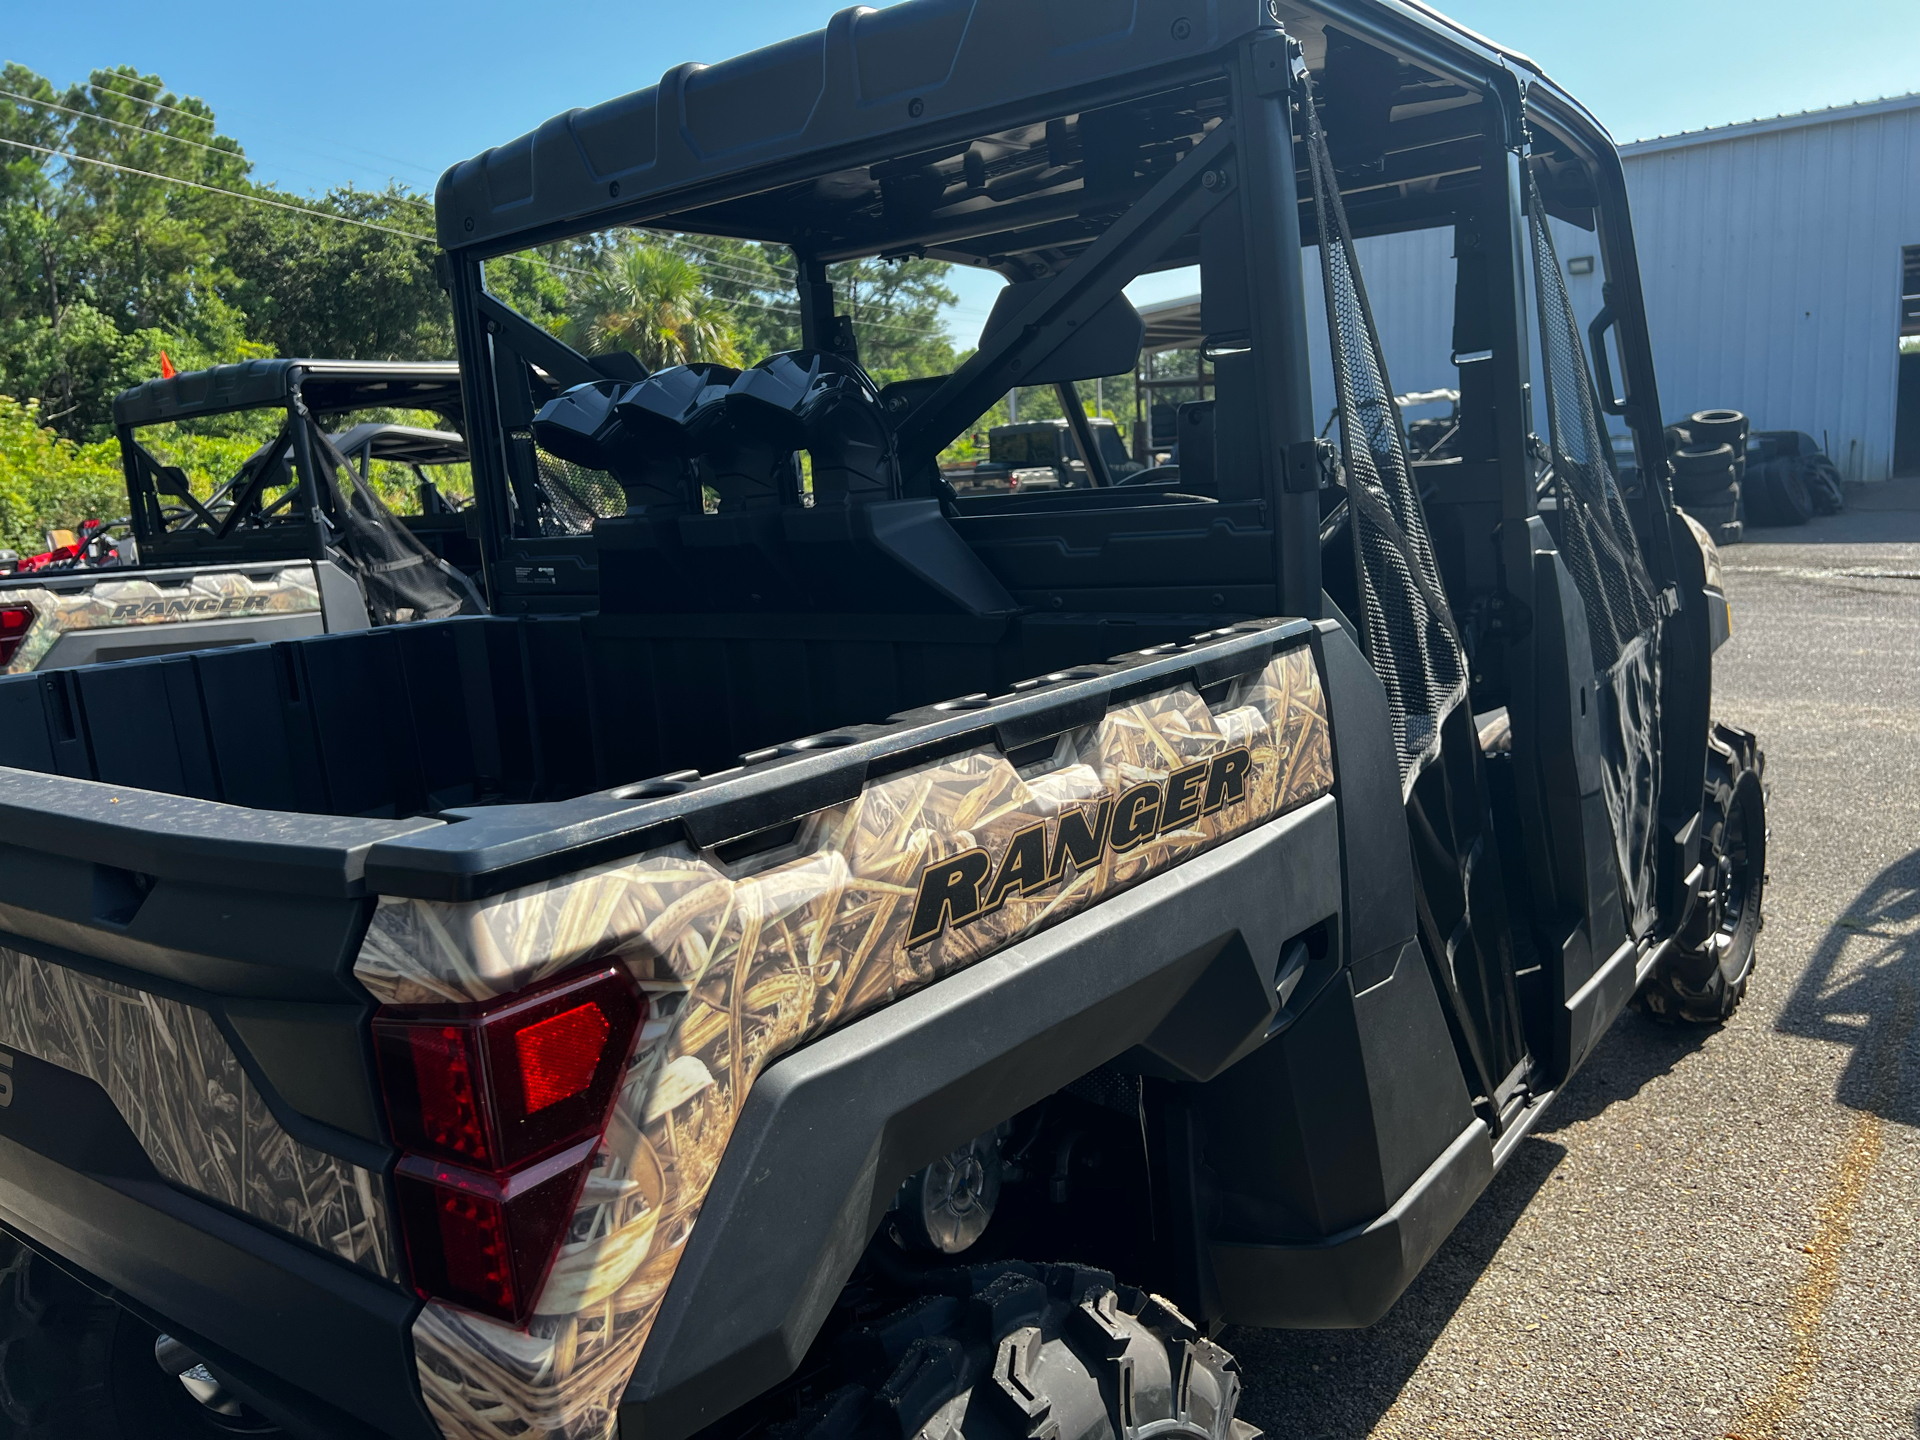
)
(1742, 849)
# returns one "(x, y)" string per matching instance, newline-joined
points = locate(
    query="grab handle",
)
(1603, 367)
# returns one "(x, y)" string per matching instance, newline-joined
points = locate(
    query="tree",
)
(107, 264)
(311, 285)
(650, 300)
(897, 308)
(48, 482)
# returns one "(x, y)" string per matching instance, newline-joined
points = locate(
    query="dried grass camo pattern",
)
(207, 595)
(177, 1083)
(740, 970)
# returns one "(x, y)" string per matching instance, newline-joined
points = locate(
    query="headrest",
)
(1108, 344)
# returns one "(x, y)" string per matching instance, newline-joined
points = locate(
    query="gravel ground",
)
(1712, 1233)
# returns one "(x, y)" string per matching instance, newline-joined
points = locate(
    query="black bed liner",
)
(531, 737)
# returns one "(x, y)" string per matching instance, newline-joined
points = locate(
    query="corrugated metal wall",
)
(1771, 261)
(1409, 281)
(1772, 268)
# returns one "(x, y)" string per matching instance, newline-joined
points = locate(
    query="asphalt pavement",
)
(1713, 1233)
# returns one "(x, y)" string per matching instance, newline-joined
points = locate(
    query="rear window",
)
(1027, 447)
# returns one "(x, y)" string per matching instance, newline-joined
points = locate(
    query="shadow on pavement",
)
(1860, 989)
(1337, 1384)
(1636, 1051)
(1322, 1384)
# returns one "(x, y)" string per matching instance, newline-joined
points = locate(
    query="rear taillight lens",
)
(499, 1108)
(15, 621)
(484, 1241)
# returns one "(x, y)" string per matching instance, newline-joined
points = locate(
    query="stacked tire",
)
(1708, 451)
(1794, 480)
(1706, 484)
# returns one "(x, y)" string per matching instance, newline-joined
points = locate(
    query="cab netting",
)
(1602, 554)
(399, 577)
(569, 497)
(1405, 623)
(1415, 648)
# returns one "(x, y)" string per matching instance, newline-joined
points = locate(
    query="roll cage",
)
(274, 506)
(1072, 148)
(1071, 169)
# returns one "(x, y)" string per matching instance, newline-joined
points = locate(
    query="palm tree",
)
(647, 300)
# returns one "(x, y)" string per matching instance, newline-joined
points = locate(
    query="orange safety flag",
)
(166, 367)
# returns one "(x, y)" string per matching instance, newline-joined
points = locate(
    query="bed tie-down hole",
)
(118, 894)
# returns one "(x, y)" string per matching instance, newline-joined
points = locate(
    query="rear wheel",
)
(1014, 1351)
(1704, 977)
(75, 1366)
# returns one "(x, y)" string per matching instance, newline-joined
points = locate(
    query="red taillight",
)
(15, 621)
(498, 1109)
(558, 1055)
(483, 1241)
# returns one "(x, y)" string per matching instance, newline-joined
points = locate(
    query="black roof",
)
(329, 387)
(402, 443)
(913, 79)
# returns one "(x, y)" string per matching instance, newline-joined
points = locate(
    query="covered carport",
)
(1162, 385)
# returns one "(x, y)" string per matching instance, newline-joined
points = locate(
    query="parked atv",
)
(834, 957)
(297, 542)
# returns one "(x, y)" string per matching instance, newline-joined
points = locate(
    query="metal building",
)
(1773, 255)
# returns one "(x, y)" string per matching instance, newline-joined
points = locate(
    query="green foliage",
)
(1112, 398)
(652, 301)
(314, 287)
(896, 305)
(131, 228)
(48, 482)
(101, 265)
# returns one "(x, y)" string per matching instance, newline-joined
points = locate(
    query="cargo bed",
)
(483, 717)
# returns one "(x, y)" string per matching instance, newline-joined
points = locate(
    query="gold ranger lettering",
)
(199, 607)
(957, 891)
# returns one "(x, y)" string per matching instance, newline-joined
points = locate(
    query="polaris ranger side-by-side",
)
(830, 956)
(296, 542)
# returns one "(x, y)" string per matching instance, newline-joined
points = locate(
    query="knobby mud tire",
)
(56, 1346)
(75, 1366)
(1015, 1351)
(1704, 978)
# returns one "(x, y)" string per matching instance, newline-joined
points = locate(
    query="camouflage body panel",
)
(742, 968)
(114, 604)
(179, 1086)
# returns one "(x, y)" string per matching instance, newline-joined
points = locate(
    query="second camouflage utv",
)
(647, 1034)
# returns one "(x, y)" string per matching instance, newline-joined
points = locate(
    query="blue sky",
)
(401, 90)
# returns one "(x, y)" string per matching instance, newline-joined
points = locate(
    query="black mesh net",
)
(399, 578)
(1602, 554)
(1597, 541)
(1409, 631)
(572, 497)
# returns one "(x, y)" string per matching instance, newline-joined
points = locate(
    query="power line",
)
(717, 259)
(219, 190)
(241, 195)
(197, 115)
(234, 154)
